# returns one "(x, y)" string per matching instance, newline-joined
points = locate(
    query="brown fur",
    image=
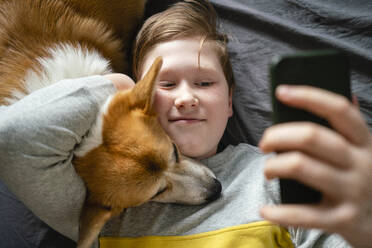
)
(125, 169)
(129, 156)
(29, 27)
(112, 13)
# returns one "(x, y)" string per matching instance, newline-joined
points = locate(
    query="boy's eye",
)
(167, 84)
(204, 84)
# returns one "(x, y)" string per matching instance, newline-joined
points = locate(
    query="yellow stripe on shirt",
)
(253, 235)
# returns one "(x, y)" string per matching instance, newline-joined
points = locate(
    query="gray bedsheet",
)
(260, 29)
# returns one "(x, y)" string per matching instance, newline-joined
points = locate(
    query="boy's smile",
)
(193, 102)
(186, 121)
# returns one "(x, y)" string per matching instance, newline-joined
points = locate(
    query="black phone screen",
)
(326, 69)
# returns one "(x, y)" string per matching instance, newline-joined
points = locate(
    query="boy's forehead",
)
(184, 52)
(188, 44)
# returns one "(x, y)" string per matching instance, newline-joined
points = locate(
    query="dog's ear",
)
(144, 90)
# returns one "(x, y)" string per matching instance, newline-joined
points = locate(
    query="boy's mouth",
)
(183, 120)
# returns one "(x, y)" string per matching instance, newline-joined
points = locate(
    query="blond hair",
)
(190, 18)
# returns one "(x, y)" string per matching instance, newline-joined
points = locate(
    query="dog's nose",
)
(215, 192)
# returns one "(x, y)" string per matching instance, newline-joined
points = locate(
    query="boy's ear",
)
(144, 91)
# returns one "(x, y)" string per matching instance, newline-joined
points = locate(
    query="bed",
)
(258, 30)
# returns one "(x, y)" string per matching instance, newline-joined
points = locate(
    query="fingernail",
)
(283, 90)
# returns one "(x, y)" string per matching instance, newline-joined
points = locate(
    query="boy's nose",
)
(186, 101)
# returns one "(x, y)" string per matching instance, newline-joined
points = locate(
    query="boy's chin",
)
(197, 152)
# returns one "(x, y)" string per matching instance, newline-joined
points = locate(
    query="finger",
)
(340, 113)
(323, 217)
(309, 138)
(311, 172)
(355, 101)
(120, 81)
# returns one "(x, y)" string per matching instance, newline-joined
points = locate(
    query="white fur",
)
(65, 61)
(94, 137)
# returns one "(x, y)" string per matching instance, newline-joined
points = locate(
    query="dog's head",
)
(135, 161)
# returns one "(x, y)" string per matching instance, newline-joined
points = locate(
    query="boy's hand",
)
(338, 163)
(120, 81)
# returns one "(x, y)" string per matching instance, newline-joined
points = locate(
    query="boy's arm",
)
(37, 137)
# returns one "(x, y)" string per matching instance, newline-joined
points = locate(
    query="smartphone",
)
(326, 69)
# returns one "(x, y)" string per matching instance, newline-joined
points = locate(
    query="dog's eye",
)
(159, 192)
(175, 153)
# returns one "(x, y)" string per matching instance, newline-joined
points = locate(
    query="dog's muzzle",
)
(215, 192)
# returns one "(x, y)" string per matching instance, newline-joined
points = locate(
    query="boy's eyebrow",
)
(201, 69)
(207, 69)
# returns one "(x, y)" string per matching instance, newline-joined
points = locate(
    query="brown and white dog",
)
(126, 159)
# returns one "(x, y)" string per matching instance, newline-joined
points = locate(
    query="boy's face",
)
(193, 103)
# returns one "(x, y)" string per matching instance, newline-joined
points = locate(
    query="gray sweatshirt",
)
(38, 135)
(245, 191)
